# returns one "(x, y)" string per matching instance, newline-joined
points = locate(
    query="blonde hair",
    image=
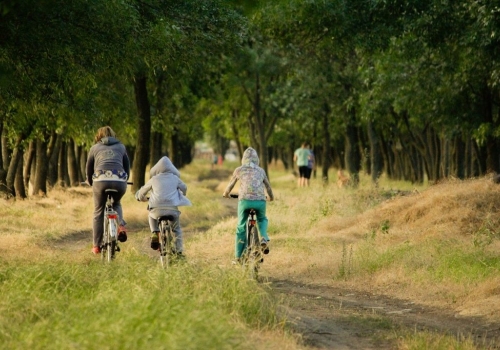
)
(105, 131)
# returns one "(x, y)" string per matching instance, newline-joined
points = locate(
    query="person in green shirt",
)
(302, 156)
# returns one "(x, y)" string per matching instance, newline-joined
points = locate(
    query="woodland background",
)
(408, 88)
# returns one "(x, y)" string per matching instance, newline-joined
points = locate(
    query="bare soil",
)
(330, 317)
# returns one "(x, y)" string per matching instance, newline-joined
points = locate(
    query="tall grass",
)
(130, 304)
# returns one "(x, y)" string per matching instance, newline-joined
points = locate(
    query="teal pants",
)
(244, 207)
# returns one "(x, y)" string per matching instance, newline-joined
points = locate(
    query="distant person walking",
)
(312, 163)
(302, 156)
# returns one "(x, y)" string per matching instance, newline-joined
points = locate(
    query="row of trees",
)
(70, 67)
(405, 87)
(408, 88)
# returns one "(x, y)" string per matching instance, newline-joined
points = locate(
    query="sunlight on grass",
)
(425, 340)
(92, 304)
(436, 245)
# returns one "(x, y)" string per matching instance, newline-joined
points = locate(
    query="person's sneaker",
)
(122, 233)
(264, 244)
(96, 250)
(155, 242)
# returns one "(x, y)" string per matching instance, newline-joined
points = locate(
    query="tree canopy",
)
(401, 87)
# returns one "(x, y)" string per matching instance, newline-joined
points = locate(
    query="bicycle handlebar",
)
(85, 183)
(234, 195)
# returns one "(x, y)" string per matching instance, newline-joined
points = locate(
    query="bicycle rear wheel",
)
(253, 252)
(109, 240)
(164, 244)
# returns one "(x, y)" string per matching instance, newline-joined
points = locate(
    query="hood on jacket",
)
(164, 165)
(250, 157)
(109, 140)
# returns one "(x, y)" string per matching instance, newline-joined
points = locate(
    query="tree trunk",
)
(445, 156)
(156, 147)
(352, 154)
(327, 148)
(73, 169)
(6, 152)
(30, 157)
(62, 165)
(41, 171)
(141, 156)
(236, 135)
(19, 183)
(82, 161)
(15, 159)
(459, 157)
(53, 172)
(181, 152)
(468, 157)
(377, 161)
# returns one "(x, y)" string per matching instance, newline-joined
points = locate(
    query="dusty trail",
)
(335, 318)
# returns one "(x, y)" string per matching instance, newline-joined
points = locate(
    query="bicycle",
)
(167, 240)
(252, 255)
(109, 245)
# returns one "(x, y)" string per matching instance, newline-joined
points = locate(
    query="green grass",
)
(131, 303)
(65, 301)
(432, 260)
(426, 340)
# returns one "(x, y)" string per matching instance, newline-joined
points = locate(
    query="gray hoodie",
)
(107, 154)
(167, 189)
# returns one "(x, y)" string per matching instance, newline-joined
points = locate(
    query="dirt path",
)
(335, 318)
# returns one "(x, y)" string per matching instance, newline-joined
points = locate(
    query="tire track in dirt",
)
(336, 318)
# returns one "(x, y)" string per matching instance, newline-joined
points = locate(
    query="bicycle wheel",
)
(253, 252)
(110, 235)
(164, 244)
(105, 239)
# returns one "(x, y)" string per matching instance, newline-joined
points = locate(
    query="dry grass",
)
(437, 245)
(400, 247)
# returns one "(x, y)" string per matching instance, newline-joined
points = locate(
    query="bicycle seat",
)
(110, 190)
(166, 217)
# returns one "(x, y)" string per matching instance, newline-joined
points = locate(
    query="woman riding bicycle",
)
(251, 196)
(108, 167)
(167, 194)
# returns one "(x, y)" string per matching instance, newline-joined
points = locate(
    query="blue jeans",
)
(244, 207)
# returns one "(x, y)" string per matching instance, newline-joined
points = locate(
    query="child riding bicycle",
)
(250, 196)
(167, 193)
